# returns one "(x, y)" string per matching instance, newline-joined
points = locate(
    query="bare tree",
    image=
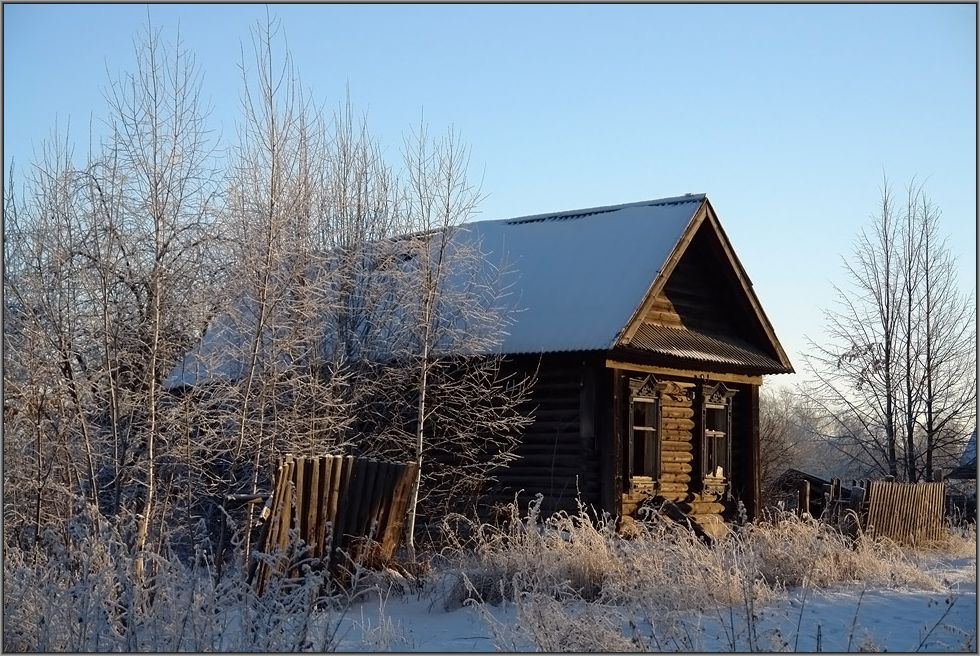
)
(286, 202)
(872, 378)
(946, 344)
(360, 322)
(45, 421)
(108, 275)
(162, 177)
(912, 266)
(453, 309)
(777, 450)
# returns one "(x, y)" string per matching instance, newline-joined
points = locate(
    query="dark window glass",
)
(644, 438)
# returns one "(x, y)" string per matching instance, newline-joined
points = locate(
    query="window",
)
(716, 422)
(646, 452)
(643, 443)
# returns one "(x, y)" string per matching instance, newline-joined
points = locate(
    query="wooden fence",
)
(340, 506)
(910, 513)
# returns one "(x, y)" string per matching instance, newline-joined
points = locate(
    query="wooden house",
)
(650, 346)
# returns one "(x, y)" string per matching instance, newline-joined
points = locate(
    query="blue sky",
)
(786, 116)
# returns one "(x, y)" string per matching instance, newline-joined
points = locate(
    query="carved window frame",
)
(647, 390)
(716, 398)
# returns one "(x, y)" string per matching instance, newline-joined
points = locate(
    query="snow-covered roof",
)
(579, 276)
(574, 280)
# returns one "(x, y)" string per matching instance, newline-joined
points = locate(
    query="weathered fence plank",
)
(334, 504)
(910, 513)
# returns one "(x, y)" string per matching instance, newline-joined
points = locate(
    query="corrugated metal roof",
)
(576, 277)
(702, 347)
(574, 214)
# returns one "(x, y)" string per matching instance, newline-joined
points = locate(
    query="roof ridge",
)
(565, 214)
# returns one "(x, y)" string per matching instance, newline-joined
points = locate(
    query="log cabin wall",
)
(559, 453)
(745, 448)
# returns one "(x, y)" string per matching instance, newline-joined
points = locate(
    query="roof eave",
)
(707, 366)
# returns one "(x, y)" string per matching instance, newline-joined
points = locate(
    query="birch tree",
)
(468, 412)
(45, 391)
(351, 318)
(157, 204)
(109, 270)
(354, 278)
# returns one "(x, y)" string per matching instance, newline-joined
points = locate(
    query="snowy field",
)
(841, 618)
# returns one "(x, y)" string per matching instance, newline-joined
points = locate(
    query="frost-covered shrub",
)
(561, 552)
(84, 599)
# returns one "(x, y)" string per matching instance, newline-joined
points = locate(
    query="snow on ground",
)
(839, 619)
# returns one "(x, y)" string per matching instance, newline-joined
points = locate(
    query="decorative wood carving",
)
(649, 387)
(718, 394)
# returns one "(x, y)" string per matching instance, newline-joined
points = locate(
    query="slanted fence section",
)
(341, 507)
(910, 513)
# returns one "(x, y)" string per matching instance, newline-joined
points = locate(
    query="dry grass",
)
(566, 572)
(961, 540)
(573, 583)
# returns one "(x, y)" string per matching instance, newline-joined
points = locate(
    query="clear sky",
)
(786, 116)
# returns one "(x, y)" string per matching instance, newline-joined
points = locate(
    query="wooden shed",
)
(650, 346)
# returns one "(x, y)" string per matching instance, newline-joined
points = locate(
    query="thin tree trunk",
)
(419, 435)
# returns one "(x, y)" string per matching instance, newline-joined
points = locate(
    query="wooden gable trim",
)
(705, 213)
(685, 373)
(746, 285)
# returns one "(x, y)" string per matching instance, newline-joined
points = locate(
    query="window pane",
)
(644, 413)
(639, 452)
(643, 437)
(638, 414)
(723, 455)
(650, 455)
(716, 419)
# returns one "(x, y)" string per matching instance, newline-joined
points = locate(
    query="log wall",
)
(703, 297)
(575, 446)
(705, 500)
(559, 455)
